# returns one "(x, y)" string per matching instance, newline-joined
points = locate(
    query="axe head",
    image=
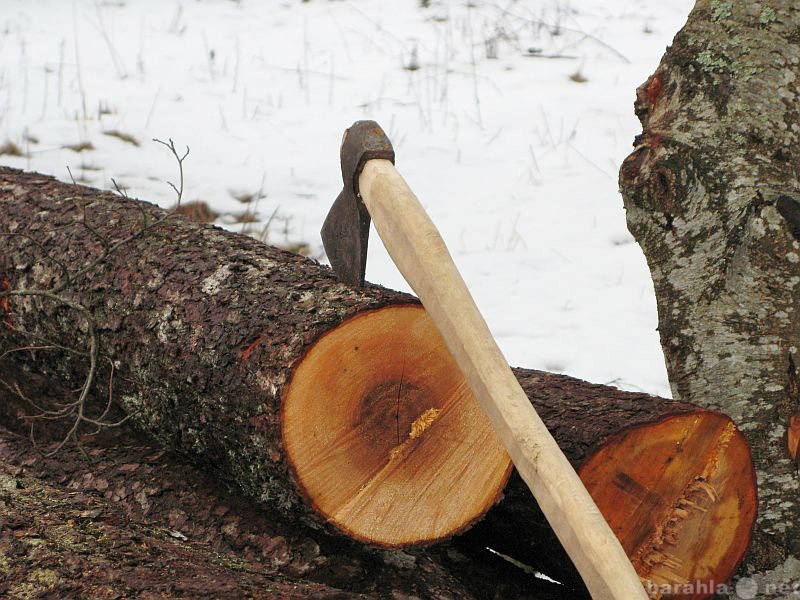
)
(345, 232)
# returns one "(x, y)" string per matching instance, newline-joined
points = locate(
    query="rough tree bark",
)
(586, 419)
(192, 367)
(120, 495)
(712, 192)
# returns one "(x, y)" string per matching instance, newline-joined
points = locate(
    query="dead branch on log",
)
(76, 410)
(171, 147)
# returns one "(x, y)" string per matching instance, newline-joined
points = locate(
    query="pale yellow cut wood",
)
(419, 252)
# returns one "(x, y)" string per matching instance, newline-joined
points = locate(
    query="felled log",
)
(58, 543)
(331, 404)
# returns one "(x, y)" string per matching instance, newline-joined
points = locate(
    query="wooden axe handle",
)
(418, 250)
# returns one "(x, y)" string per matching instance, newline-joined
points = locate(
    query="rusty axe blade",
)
(345, 233)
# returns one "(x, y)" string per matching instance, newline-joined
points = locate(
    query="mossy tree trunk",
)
(713, 198)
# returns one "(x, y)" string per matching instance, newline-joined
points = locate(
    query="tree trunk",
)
(713, 198)
(312, 396)
(339, 405)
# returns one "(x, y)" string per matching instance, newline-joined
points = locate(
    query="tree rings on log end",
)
(680, 495)
(384, 436)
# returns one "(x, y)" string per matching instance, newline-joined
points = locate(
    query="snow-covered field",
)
(510, 120)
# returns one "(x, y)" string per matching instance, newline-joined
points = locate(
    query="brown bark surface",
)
(135, 521)
(59, 543)
(159, 489)
(711, 193)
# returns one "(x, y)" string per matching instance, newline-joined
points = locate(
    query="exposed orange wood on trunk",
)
(793, 435)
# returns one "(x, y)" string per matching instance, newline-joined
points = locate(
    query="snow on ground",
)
(510, 120)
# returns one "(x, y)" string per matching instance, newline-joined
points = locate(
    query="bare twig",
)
(111, 248)
(75, 410)
(120, 191)
(93, 345)
(180, 159)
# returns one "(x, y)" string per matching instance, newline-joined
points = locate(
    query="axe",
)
(373, 189)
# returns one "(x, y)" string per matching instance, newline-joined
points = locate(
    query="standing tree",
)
(712, 193)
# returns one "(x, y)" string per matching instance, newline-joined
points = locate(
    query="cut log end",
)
(384, 436)
(681, 496)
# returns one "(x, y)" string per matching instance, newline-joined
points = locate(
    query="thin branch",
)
(110, 250)
(76, 409)
(45, 340)
(80, 404)
(85, 221)
(23, 348)
(119, 190)
(180, 159)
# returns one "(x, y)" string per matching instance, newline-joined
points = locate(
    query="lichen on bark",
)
(710, 192)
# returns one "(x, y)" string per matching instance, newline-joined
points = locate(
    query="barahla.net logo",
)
(745, 588)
